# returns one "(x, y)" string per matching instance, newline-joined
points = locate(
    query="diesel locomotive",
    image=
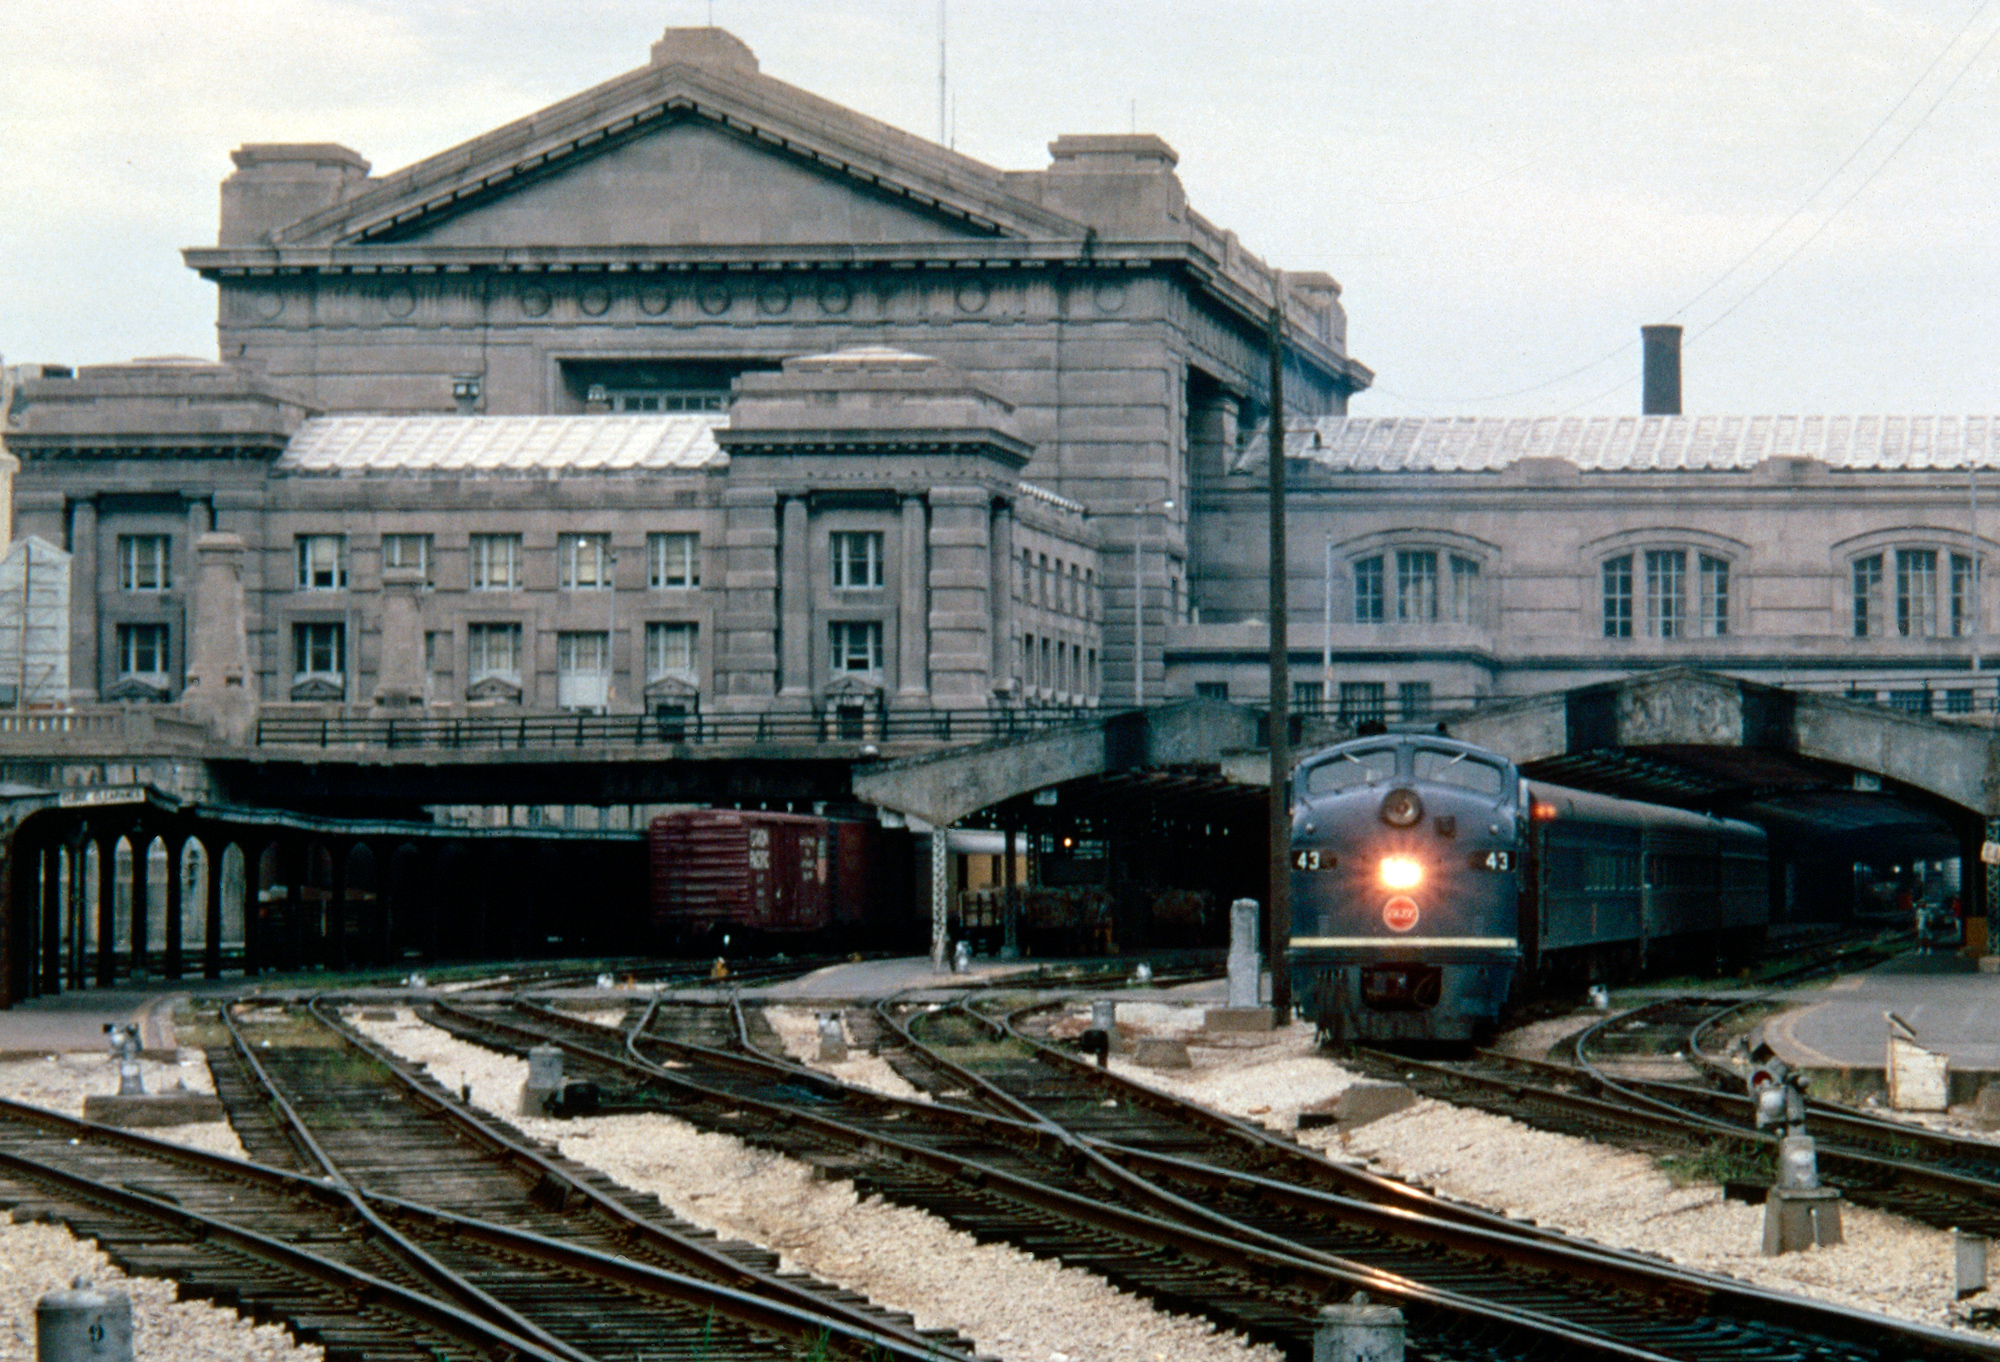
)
(1432, 886)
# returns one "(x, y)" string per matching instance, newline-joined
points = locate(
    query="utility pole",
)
(1279, 929)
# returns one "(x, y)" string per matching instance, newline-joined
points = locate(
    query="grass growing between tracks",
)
(1719, 1161)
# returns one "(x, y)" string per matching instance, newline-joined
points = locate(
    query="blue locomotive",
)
(1432, 885)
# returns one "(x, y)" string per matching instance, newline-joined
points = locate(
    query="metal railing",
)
(545, 732)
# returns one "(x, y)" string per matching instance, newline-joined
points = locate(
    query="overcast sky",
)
(1506, 192)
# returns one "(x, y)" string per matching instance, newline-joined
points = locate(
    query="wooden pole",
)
(1279, 925)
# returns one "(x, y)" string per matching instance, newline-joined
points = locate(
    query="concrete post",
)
(795, 600)
(399, 665)
(832, 1040)
(913, 606)
(1243, 967)
(1968, 1263)
(545, 1079)
(83, 1324)
(1358, 1332)
(219, 689)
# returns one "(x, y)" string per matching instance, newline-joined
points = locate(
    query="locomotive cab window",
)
(1351, 769)
(1456, 768)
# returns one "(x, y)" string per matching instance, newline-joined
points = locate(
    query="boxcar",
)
(740, 873)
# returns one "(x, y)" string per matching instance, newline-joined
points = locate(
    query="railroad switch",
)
(1799, 1213)
(124, 1042)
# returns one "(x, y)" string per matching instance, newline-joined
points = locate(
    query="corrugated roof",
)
(503, 446)
(1638, 443)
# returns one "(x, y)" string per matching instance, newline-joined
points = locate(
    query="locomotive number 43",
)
(1493, 860)
(1312, 859)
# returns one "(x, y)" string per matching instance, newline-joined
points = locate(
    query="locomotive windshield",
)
(1350, 769)
(1458, 768)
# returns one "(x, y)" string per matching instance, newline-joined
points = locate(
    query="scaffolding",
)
(34, 625)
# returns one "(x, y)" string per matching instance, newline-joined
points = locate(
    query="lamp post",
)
(1140, 514)
(1326, 631)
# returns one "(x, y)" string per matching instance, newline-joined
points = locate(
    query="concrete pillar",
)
(173, 907)
(912, 616)
(107, 899)
(84, 589)
(1968, 1263)
(219, 688)
(795, 600)
(1001, 593)
(399, 662)
(961, 579)
(1243, 964)
(211, 942)
(545, 1079)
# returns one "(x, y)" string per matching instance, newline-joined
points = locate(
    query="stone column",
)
(1002, 596)
(961, 581)
(399, 664)
(912, 621)
(85, 588)
(107, 913)
(218, 675)
(795, 602)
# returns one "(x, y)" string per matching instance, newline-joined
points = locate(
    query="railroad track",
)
(514, 1233)
(1133, 1216)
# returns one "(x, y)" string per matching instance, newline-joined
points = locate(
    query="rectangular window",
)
(145, 562)
(1464, 590)
(1308, 696)
(1090, 593)
(673, 561)
(856, 645)
(496, 562)
(1027, 577)
(672, 651)
(1870, 620)
(1368, 591)
(1714, 619)
(1964, 596)
(1048, 675)
(1361, 701)
(1916, 593)
(322, 562)
(583, 562)
(857, 559)
(320, 650)
(407, 551)
(142, 651)
(1042, 575)
(1416, 584)
(1211, 690)
(1413, 699)
(492, 650)
(1618, 596)
(583, 670)
(1666, 593)
(1076, 590)
(1090, 669)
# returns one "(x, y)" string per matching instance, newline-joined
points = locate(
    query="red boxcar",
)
(725, 870)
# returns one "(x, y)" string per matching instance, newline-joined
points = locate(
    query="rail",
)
(550, 732)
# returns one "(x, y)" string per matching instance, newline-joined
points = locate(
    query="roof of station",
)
(1640, 444)
(501, 446)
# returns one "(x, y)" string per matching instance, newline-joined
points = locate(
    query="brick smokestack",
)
(1663, 370)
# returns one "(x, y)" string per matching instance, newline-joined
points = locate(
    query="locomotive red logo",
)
(1399, 914)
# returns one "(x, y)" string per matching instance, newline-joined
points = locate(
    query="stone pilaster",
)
(218, 681)
(1001, 588)
(399, 669)
(913, 615)
(746, 642)
(795, 612)
(961, 582)
(86, 585)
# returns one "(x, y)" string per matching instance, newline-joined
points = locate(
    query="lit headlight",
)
(1401, 872)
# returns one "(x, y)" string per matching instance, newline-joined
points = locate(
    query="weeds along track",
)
(1256, 1252)
(514, 1232)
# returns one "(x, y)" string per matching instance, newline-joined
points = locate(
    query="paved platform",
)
(1952, 1007)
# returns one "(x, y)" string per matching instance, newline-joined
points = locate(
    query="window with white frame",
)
(674, 561)
(1368, 600)
(856, 647)
(583, 669)
(1428, 585)
(142, 652)
(496, 562)
(1665, 593)
(1917, 592)
(145, 562)
(493, 650)
(406, 551)
(672, 651)
(857, 559)
(319, 651)
(583, 562)
(322, 562)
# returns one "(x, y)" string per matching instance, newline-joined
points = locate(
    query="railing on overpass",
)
(520, 732)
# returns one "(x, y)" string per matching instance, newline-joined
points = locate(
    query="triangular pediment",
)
(686, 154)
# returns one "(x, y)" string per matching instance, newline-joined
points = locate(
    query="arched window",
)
(1915, 592)
(1666, 593)
(1416, 585)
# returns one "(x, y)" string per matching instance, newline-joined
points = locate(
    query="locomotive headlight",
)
(1401, 808)
(1401, 872)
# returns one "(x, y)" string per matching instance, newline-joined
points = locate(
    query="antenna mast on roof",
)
(941, 104)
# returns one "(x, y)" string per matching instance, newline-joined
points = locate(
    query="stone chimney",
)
(277, 183)
(711, 47)
(1663, 370)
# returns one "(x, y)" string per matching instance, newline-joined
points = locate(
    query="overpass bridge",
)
(1176, 790)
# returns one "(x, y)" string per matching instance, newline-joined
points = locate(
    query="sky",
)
(1505, 191)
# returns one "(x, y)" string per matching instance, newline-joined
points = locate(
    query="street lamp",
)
(1141, 511)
